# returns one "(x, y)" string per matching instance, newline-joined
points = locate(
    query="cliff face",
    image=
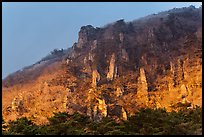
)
(112, 73)
(155, 61)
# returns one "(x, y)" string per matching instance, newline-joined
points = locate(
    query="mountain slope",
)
(155, 62)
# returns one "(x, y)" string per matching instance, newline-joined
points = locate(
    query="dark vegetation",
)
(145, 122)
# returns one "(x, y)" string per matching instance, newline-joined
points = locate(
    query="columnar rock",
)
(95, 78)
(172, 68)
(102, 107)
(90, 57)
(177, 72)
(180, 73)
(94, 45)
(184, 91)
(142, 80)
(125, 55)
(87, 65)
(112, 68)
(116, 72)
(124, 114)
(119, 91)
(85, 60)
(183, 94)
(17, 105)
(14, 104)
(95, 113)
(121, 36)
(90, 105)
(144, 60)
(185, 66)
(171, 78)
(142, 90)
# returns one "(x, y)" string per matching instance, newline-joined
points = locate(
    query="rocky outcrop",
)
(171, 81)
(18, 105)
(91, 103)
(87, 62)
(67, 103)
(119, 91)
(86, 34)
(162, 52)
(102, 107)
(96, 108)
(95, 78)
(94, 45)
(142, 90)
(185, 66)
(112, 68)
(183, 94)
(125, 55)
(142, 81)
(121, 37)
(177, 73)
(124, 114)
(91, 57)
(68, 61)
(95, 116)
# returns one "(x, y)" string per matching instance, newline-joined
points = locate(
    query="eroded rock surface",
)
(112, 71)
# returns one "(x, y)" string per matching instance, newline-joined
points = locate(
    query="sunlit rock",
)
(112, 68)
(119, 91)
(102, 107)
(142, 90)
(95, 78)
(124, 114)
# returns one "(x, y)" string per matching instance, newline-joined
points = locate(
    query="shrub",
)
(58, 118)
(115, 132)
(22, 126)
(144, 122)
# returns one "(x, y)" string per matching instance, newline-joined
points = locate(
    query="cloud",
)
(196, 4)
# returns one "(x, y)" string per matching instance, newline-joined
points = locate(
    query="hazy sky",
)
(31, 30)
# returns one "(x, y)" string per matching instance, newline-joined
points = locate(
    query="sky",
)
(31, 30)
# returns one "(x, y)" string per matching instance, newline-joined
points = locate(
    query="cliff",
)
(155, 62)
